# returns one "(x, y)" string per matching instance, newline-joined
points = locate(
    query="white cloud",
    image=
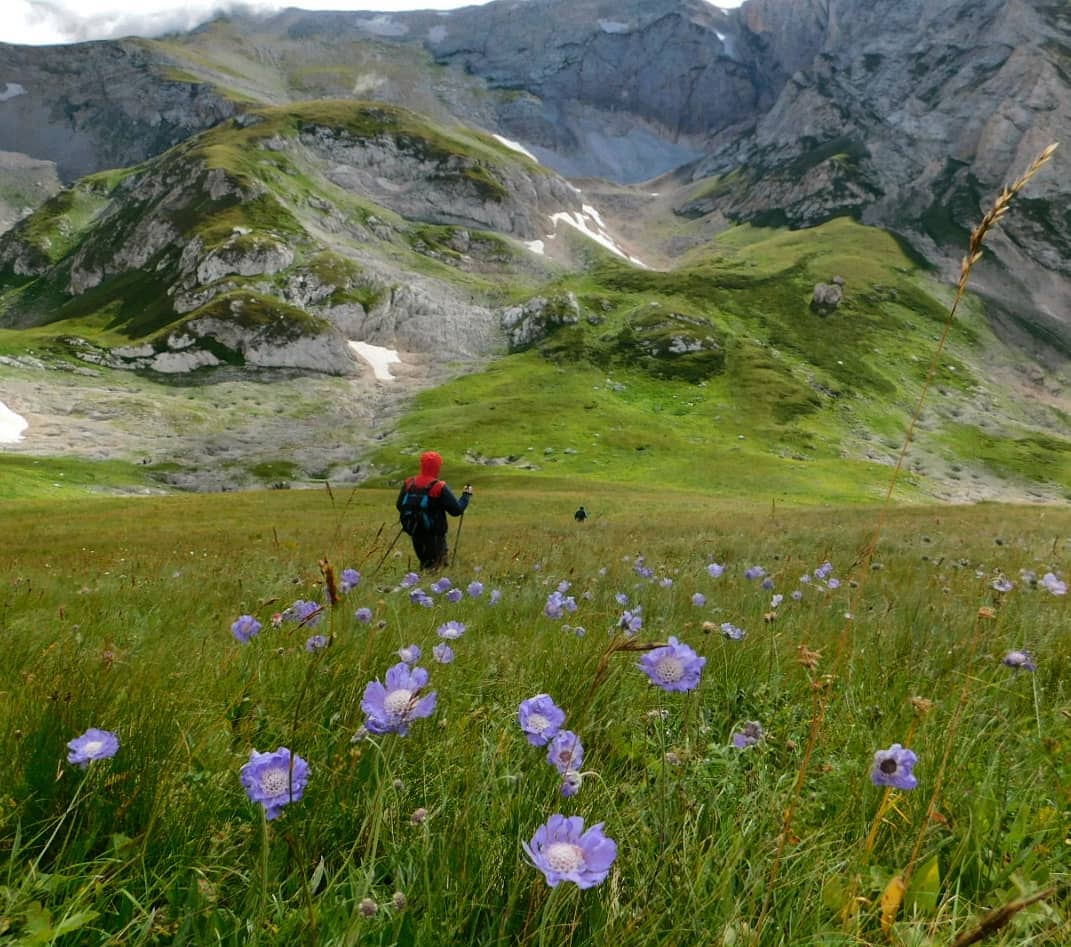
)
(41, 22)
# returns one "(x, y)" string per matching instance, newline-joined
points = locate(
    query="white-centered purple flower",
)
(824, 569)
(454, 596)
(748, 735)
(540, 719)
(754, 572)
(409, 580)
(316, 643)
(729, 630)
(304, 613)
(715, 570)
(796, 595)
(443, 653)
(673, 667)
(621, 598)
(245, 627)
(409, 654)
(363, 615)
(631, 620)
(451, 630)
(1020, 661)
(441, 585)
(833, 583)
(571, 783)
(495, 597)
(475, 589)
(563, 851)
(350, 579)
(666, 582)
(392, 706)
(893, 767)
(92, 745)
(699, 600)
(1053, 584)
(776, 600)
(274, 779)
(565, 752)
(805, 579)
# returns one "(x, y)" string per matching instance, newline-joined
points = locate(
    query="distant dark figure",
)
(422, 504)
(580, 515)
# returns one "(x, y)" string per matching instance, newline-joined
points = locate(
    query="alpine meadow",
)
(741, 339)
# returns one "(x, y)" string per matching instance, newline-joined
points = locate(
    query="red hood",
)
(431, 463)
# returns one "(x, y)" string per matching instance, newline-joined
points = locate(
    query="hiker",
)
(580, 515)
(423, 503)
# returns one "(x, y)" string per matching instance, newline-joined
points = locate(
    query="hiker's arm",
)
(451, 503)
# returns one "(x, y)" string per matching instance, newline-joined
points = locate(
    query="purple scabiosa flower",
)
(1053, 584)
(824, 569)
(893, 767)
(571, 783)
(631, 620)
(1020, 660)
(558, 604)
(621, 598)
(410, 654)
(415, 595)
(540, 719)
(565, 751)
(454, 596)
(443, 653)
(1002, 584)
(316, 643)
(393, 706)
(833, 584)
(564, 586)
(495, 597)
(451, 630)
(641, 569)
(563, 851)
(409, 580)
(673, 667)
(731, 631)
(699, 600)
(274, 779)
(805, 579)
(426, 601)
(748, 735)
(475, 589)
(796, 595)
(767, 584)
(363, 615)
(304, 613)
(776, 600)
(715, 570)
(441, 585)
(754, 572)
(245, 627)
(92, 745)
(350, 579)
(580, 631)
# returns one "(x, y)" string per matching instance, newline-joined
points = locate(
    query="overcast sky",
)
(69, 21)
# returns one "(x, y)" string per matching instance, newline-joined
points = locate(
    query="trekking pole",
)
(387, 553)
(457, 539)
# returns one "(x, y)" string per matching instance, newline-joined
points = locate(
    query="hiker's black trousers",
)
(431, 549)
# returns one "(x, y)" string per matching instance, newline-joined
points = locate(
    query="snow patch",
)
(536, 246)
(378, 357)
(613, 26)
(382, 25)
(11, 425)
(589, 222)
(437, 34)
(11, 89)
(516, 146)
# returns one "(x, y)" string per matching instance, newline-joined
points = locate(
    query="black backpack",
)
(416, 512)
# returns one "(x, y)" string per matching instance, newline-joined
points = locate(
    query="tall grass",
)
(116, 614)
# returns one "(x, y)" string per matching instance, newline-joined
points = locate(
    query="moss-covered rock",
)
(669, 344)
